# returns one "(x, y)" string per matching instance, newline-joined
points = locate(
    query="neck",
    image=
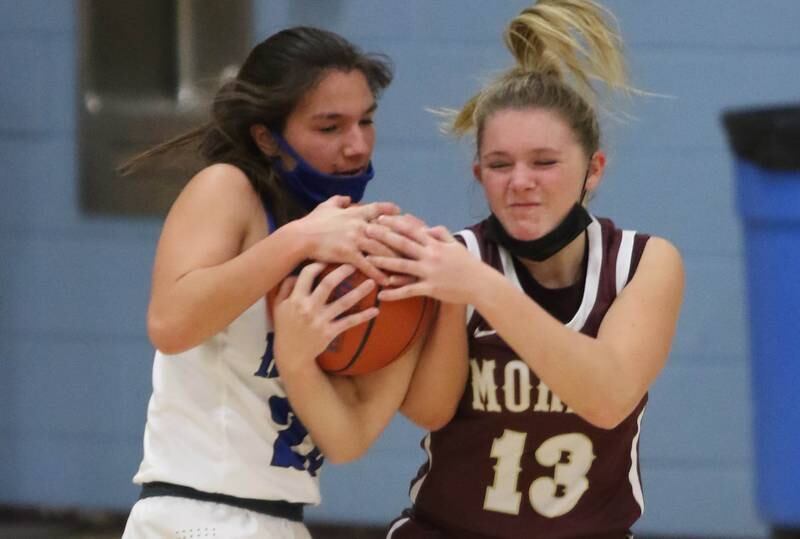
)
(561, 270)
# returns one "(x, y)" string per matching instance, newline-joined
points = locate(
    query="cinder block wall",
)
(74, 358)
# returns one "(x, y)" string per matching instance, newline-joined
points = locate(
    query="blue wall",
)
(74, 359)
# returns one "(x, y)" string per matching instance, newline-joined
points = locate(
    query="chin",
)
(527, 237)
(525, 233)
(523, 227)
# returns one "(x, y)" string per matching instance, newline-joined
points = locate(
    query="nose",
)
(357, 143)
(521, 178)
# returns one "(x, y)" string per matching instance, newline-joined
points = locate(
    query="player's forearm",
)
(329, 419)
(345, 415)
(582, 371)
(441, 373)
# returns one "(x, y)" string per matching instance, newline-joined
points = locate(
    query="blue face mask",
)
(310, 186)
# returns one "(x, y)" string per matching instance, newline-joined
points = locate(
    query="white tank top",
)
(219, 420)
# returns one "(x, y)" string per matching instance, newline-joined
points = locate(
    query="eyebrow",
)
(337, 115)
(503, 153)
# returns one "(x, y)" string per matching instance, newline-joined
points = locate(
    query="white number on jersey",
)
(570, 456)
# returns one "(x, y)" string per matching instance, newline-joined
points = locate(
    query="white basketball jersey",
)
(219, 420)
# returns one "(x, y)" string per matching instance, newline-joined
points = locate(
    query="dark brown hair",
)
(274, 77)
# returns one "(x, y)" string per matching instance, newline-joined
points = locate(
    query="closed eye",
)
(499, 165)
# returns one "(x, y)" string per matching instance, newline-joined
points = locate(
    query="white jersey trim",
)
(415, 488)
(624, 256)
(472, 246)
(592, 276)
(633, 474)
(396, 526)
(590, 287)
(592, 284)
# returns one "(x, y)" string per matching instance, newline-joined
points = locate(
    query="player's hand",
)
(337, 232)
(306, 323)
(404, 224)
(440, 266)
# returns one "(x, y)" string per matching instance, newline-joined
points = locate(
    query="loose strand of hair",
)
(463, 121)
(194, 136)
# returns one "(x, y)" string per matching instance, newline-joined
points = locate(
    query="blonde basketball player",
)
(554, 323)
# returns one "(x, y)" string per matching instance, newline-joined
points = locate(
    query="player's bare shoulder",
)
(219, 192)
(662, 253)
(224, 183)
(661, 268)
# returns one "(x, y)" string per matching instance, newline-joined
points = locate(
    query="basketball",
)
(376, 343)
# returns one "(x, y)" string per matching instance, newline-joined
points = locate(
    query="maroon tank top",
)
(515, 461)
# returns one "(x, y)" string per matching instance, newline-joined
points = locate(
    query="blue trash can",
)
(766, 144)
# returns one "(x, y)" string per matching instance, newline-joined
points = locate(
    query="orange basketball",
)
(379, 341)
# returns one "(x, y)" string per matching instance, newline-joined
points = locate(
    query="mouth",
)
(351, 172)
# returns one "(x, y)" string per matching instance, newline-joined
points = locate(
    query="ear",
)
(476, 171)
(597, 165)
(263, 139)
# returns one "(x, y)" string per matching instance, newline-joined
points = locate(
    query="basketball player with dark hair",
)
(553, 323)
(288, 152)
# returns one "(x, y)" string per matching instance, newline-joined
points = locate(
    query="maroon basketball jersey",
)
(515, 461)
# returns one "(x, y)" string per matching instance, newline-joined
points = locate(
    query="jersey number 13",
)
(570, 456)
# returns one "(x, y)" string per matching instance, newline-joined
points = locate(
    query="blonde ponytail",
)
(562, 49)
(577, 39)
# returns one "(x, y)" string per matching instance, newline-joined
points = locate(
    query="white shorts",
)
(183, 518)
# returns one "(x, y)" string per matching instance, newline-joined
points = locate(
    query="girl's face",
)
(331, 126)
(532, 169)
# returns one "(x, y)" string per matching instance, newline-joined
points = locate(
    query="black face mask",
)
(538, 250)
(576, 221)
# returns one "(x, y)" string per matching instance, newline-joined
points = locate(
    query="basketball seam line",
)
(427, 304)
(363, 342)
